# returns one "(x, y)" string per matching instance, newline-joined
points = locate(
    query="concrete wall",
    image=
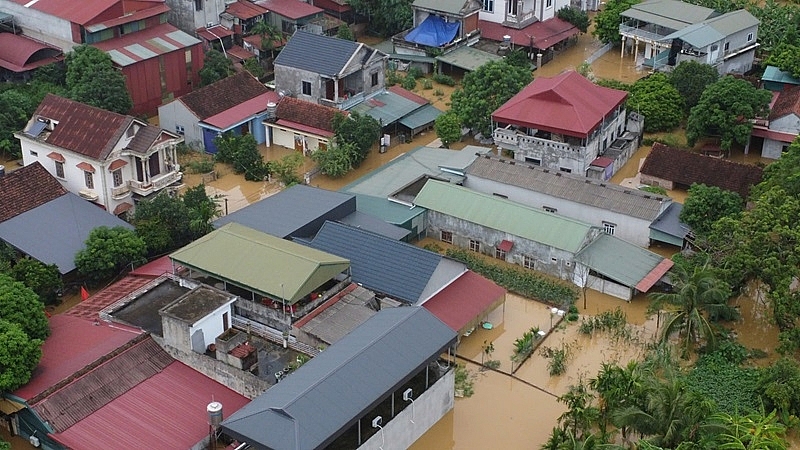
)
(42, 26)
(772, 149)
(175, 114)
(212, 324)
(176, 333)
(286, 137)
(655, 181)
(184, 14)
(432, 405)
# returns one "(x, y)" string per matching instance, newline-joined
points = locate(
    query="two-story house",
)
(673, 31)
(440, 25)
(107, 158)
(191, 15)
(565, 123)
(782, 125)
(329, 71)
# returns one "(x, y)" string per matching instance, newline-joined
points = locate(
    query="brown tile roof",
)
(91, 307)
(81, 128)
(307, 113)
(147, 136)
(788, 102)
(686, 167)
(222, 95)
(25, 189)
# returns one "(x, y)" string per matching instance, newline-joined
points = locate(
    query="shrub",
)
(200, 166)
(438, 93)
(415, 72)
(463, 381)
(409, 82)
(427, 84)
(393, 78)
(446, 80)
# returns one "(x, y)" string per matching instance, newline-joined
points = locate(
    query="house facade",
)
(107, 158)
(783, 123)
(329, 71)
(441, 25)
(301, 125)
(189, 15)
(672, 31)
(289, 16)
(566, 123)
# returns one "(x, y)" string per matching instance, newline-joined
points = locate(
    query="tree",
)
(386, 17)
(779, 24)
(690, 78)
(20, 305)
(575, 16)
(727, 109)
(786, 57)
(448, 128)
(360, 130)
(779, 387)
(782, 173)
(215, 67)
(606, 22)
(17, 104)
(109, 250)
(202, 210)
(659, 102)
(43, 279)
(344, 32)
(252, 66)
(619, 387)
(707, 204)
(286, 169)
(53, 73)
(163, 223)
(270, 35)
(336, 160)
(92, 79)
(486, 89)
(242, 153)
(19, 355)
(755, 431)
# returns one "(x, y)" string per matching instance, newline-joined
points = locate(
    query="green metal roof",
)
(733, 22)
(257, 261)
(422, 117)
(468, 58)
(619, 260)
(446, 6)
(672, 14)
(386, 107)
(772, 73)
(390, 212)
(699, 35)
(503, 215)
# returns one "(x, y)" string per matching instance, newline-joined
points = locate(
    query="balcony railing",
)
(342, 102)
(121, 191)
(519, 19)
(641, 33)
(155, 184)
(510, 138)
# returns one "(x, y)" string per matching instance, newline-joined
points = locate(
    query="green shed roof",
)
(504, 215)
(260, 262)
(619, 260)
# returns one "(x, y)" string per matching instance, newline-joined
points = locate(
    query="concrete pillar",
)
(539, 60)
(622, 51)
(635, 48)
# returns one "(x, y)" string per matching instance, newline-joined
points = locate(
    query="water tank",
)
(214, 410)
(272, 111)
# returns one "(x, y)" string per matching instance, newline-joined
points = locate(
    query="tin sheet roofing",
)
(244, 9)
(620, 261)
(21, 53)
(772, 73)
(468, 58)
(291, 9)
(247, 110)
(422, 117)
(146, 44)
(465, 301)
(324, 397)
(672, 14)
(503, 215)
(128, 18)
(387, 107)
(540, 34)
(455, 7)
(66, 10)
(669, 222)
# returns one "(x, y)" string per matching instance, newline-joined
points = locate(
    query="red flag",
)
(84, 293)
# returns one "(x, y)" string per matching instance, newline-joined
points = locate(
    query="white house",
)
(301, 125)
(783, 124)
(107, 158)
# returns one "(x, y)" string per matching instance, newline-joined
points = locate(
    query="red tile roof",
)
(291, 9)
(91, 307)
(307, 113)
(223, 95)
(304, 128)
(567, 103)
(25, 189)
(237, 53)
(408, 95)
(21, 53)
(168, 410)
(652, 278)
(74, 343)
(788, 102)
(465, 301)
(686, 167)
(541, 35)
(81, 128)
(244, 9)
(156, 268)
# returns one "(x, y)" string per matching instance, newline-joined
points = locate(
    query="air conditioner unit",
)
(88, 195)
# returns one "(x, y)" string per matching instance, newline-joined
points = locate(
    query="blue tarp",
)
(433, 32)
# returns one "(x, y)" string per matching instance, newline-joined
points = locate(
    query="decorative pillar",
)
(622, 51)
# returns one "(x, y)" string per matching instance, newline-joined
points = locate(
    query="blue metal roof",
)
(316, 53)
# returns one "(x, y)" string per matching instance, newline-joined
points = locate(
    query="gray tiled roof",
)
(604, 195)
(384, 265)
(669, 222)
(316, 53)
(323, 398)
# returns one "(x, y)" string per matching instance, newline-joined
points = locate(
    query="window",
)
(447, 236)
(749, 37)
(59, 169)
(488, 5)
(33, 153)
(474, 245)
(549, 209)
(306, 88)
(187, 56)
(554, 260)
(179, 129)
(89, 180)
(784, 149)
(727, 46)
(511, 7)
(534, 161)
(528, 262)
(117, 175)
(565, 170)
(198, 5)
(374, 78)
(549, 3)
(500, 254)
(609, 228)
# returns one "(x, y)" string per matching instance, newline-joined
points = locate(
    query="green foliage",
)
(557, 359)
(4, 445)
(606, 22)
(782, 174)
(486, 89)
(581, 412)
(109, 250)
(242, 153)
(202, 210)
(707, 204)
(427, 84)
(360, 130)
(92, 79)
(254, 68)
(19, 355)
(344, 32)
(731, 387)
(270, 36)
(518, 58)
(448, 128)
(21, 306)
(385, 17)
(726, 109)
(215, 67)
(336, 160)
(523, 346)
(786, 57)
(415, 72)
(524, 282)
(44, 280)
(409, 82)
(614, 322)
(658, 100)
(17, 104)
(690, 78)
(779, 24)
(779, 387)
(463, 381)
(286, 169)
(163, 223)
(575, 16)
(53, 73)
(446, 80)
(613, 84)
(658, 190)
(754, 431)
(203, 165)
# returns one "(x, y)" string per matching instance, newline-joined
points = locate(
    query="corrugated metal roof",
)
(146, 44)
(772, 73)
(266, 264)
(291, 9)
(17, 53)
(316, 53)
(65, 10)
(541, 34)
(375, 225)
(242, 112)
(281, 214)
(56, 231)
(607, 196)
(391, 212)
(387, 107)
(340, 316)
(503, 215)
(321, 400)
(618, 260)
(697, 35)
(384, 265)
(91, 307)
(733, 22)
(422, 117)
(672, 14)
(465, 301)
(669, 222)
(454, 7)
(468, 58)
(167, 410)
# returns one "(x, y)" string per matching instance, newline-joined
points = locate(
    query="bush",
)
(415, 72)
(427, 84)
(409, 82)
(393, 78)
(204, 165)
(446, 80)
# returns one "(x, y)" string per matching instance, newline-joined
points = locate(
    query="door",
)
(155, 165)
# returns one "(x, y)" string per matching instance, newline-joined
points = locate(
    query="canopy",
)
(433, 32)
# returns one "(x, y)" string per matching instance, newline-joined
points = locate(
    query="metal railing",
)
(642, 34)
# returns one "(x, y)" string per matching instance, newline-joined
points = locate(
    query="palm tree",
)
(618, 387)
(698, 297)
(750, 432)
(270, 35)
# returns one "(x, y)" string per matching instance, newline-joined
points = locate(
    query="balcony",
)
(646, 33)
(120, 192)
(343, 103)
(520, 21)
(155, 184)
(513, 140)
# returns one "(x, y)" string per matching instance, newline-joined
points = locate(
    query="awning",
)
(214, 33)
(122, 207)
(117, 164)
(505, 245)
(774, 135)
(602, 161)
(86, 167)
(55, 156)
(652, 278)
(8, 406)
